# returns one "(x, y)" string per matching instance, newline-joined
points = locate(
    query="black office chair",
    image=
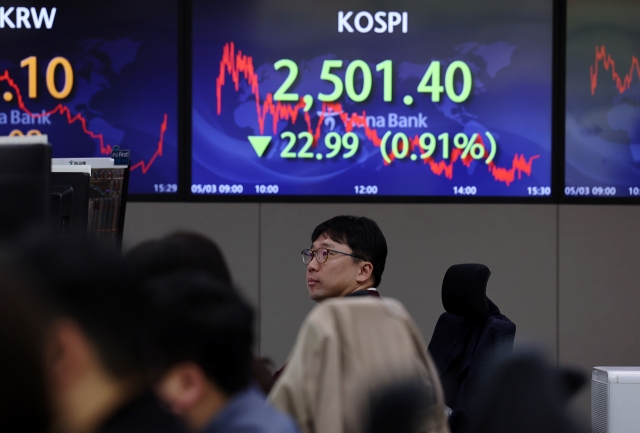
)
(471, 329)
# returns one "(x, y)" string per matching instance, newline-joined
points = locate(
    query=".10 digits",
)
(430, 82)
(32, 66)
(333, 141)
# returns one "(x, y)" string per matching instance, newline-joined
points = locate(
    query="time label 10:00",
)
(430, 83)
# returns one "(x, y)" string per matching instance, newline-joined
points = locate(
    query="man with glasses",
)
(346, 258)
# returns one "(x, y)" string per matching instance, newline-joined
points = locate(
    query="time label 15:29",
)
(166, 188)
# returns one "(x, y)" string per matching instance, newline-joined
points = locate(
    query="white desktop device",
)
(615, 400)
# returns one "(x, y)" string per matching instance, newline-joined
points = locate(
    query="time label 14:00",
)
(430, 83)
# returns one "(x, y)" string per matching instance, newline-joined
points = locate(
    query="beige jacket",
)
(345, 351)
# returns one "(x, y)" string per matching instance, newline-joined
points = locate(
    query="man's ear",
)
(68, 352)
(366, 270)
(182, 387)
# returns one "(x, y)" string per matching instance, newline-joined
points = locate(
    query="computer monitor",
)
(79, 208)
(25, 170)
(61, 205)
(107, 196)
(409, 100)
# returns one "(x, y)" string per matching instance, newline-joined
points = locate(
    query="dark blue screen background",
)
(507, 46)
(124, 60)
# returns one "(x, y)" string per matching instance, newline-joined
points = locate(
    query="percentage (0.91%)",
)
(428, 143)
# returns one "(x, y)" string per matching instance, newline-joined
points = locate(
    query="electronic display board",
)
(94, 75)
(391, 98)
(602, 122)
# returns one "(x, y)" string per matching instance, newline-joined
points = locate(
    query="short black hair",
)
(178, 251)
(200, 319)
(362, 235)
(86, 281)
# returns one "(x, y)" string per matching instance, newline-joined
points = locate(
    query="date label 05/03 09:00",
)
(216, 189)
(593, 191)
(600, 191)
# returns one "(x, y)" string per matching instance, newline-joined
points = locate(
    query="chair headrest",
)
(464, 290)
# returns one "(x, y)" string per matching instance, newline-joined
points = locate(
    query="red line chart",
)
(238, 65)
(622, 84)
(63, 110)
(145, 167)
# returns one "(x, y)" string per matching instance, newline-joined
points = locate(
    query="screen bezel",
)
(183, 71)
(561, 139)
(557, 133)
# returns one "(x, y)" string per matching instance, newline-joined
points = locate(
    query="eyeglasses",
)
(322, 254)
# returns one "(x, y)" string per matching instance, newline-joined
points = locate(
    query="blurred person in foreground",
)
(346, 351)
(24, 402)
(522, 393)
(402, 407)
(346, 258)
(200, 342)
(182, 250)
(94, 320)
(189, 251)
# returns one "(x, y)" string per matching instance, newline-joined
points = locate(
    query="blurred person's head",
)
(178, 251)
(401, 407)
(347, 254)
(93, 358)
(24, 403)
(189, 251)
(200, 344)
(521, 392)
